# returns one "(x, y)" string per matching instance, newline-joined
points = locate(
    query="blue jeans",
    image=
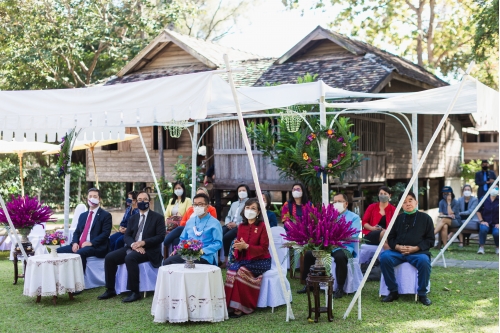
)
(484, 231)
(116, 241)
(390, 259)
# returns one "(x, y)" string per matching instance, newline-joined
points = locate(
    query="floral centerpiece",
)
(53, 241)
(320, 231)
(190, 250)
(25, 213)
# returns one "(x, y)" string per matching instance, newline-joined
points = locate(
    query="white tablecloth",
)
(189, 294)
(51, 276)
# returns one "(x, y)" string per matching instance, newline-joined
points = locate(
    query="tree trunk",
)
(430, 33)
(419, 35)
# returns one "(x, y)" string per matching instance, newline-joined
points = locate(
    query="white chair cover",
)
(79, 210)
(354, 276)
(366, 253)
(407, 279)
(6, 244)
(35, 237)
(271, 293)
(147, 278)
(94, 273)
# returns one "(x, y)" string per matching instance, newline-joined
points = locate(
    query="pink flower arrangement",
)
(190, 247)
(26, 212)
(57, 238)
(319, 229)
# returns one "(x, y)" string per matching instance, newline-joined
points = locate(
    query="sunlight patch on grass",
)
(420, 325)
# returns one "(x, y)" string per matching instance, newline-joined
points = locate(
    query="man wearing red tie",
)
(143, 240)
(91, 236)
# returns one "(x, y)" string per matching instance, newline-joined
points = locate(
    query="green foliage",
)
(469, 170)
(181, 172)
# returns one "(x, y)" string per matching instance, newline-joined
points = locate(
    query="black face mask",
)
(142, 205)
(485, 168)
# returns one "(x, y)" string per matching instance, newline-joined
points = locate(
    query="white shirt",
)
(87, 236)
(145, 219)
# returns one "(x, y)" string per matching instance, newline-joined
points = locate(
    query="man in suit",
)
(484, 179)
(143, 239)
(91, 236)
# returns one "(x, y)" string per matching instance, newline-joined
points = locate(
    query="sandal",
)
(235, 315)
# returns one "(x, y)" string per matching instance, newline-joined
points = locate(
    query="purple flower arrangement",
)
(26, 212)
(319, 229)
(189, 247)
(57, 238)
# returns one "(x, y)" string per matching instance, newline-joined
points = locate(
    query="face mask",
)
(179, 192)
(339, 206)
(494, 192)
(243, 194)
(199, 211)
(143, 205)
(250, 214)
(383, 198)
(485, 168)
(297, 194)
(467, 193)
(411, 212)
(93, 202)
(128, 201)
(445, 196)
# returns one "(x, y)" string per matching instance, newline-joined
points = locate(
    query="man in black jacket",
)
(143, 239)
(410, 239)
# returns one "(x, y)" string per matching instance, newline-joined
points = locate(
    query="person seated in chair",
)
(410, 240)
(91, 237)
(116, 240)
(339, 256)
(143, 238)
(203, 227)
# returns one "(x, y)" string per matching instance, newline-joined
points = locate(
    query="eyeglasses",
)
(199, 205)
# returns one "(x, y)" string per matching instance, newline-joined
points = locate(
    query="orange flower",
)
(330, 165)
(305, 156)
(313, 135)
(329, 132)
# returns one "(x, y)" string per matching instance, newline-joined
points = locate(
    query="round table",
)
(184, 294)
(47, 275)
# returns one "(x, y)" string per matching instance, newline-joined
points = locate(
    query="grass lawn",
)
(469, 252)
(470, 305)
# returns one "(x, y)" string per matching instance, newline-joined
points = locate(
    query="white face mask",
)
(250, 214)
(297, 194)
(93, 201)
(467, 193)
(243, 194)
(339, 206)
(494, 192)
(199, 211)
(179, 192)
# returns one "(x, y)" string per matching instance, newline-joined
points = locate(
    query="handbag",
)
(172, 222)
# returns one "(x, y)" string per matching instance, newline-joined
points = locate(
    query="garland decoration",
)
(64, 155)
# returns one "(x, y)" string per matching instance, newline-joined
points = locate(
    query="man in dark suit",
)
(91, 236)
(143, 239)
(484, 179)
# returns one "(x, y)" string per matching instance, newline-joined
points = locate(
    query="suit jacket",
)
(480, 181)
(153, 234)
(99, 232)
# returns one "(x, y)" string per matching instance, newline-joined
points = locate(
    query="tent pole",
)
(405, 193)
(471, 215)
(95, 171)
(12, 230)
(20, 155)
(323, 151)
(151, 168)
(194, 154)
(67, 178)
(414, 149)
(255, 177)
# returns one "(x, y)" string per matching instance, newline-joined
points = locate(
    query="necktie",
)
(83, 236)
(141, 227)
(485, 178)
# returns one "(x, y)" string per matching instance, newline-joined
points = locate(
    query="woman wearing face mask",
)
(449, 216)
(273, 221)
(233, 219)
(488, 217)
(377, 216)
(467, 203)
(293, 207)
(252, 259)
(179, 203)
(116, 239)
(173, 237)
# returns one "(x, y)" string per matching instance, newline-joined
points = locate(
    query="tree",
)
(74, 43)
(437, 34)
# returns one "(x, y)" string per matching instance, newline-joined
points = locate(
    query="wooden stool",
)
(15, 261)
(316, 282)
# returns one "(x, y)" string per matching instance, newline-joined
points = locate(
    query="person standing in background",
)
(484, 179)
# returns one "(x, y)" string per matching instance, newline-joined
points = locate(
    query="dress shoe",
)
(77, 292)
(132, 297)
(304, 290)
(391, 297)
(424, 300)
(339, 293)
(107, 294)
(234, 315)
